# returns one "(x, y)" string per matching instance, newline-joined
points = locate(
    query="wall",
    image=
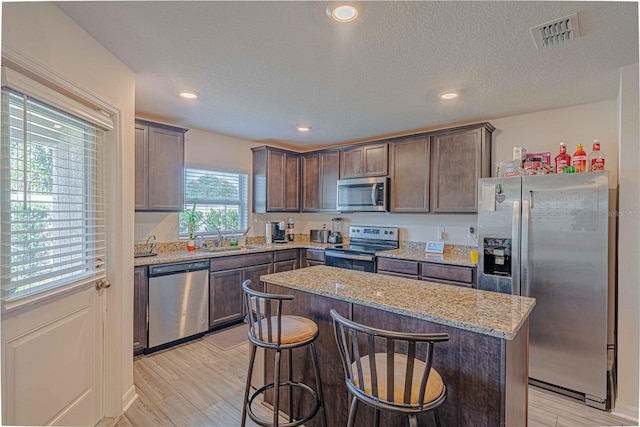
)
(41, 32)
(628, 244)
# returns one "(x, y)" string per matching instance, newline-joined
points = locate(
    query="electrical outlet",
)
(472, 232)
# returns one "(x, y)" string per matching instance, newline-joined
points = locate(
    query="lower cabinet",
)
(311, 257)
(140, 300)
(458, 275)
(226, 300)
(450, 274)
(285, 260)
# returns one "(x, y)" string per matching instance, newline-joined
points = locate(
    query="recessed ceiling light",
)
(343, 13)
(304, 128)
(450, 94)
(188, 94)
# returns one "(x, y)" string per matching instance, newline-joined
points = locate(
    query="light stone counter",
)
(488, 313)
(183, 255)
(453, 258)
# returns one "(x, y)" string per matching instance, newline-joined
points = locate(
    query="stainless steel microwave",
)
(363, 194)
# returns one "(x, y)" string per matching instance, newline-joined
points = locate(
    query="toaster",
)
(319, 236)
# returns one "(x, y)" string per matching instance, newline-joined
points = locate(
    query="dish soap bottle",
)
(563, 159)
(580, 160)
(596, 158)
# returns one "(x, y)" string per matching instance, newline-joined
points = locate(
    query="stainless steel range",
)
(364, 242)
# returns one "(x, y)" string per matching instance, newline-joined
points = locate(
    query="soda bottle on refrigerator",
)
(579, 161)
(596, 158)
(563, 159)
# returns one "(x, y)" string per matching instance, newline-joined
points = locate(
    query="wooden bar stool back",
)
(271, 330)
(383, 370)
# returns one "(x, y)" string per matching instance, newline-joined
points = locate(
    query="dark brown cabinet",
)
(319, 181)
(458, 159)
(159, 162)
(459, 275)
(409, 164)
(450, 274)
(276, 180)
(140, 300)
(311, 257)
(364, 161)
(226, 300)
(285, 260)
(398, 267)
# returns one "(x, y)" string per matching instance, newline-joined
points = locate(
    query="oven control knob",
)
(386, 232)
(391, 232)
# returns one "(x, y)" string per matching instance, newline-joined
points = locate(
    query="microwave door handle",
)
(373, 195)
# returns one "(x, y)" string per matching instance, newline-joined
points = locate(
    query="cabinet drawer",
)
(285, 255)
(393, 273)
(447, 272)
(397, 266)
(448, 282)
(240, 261)
(315, 255)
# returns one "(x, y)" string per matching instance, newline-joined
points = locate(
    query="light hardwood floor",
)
(197, 384)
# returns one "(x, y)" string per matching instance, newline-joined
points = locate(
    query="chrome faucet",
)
(219, 238)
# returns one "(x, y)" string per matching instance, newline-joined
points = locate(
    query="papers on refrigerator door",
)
(488, 197)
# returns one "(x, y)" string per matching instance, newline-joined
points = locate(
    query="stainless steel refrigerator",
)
(546, 237)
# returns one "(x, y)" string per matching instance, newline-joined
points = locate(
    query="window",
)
(221, 201)
(52, 197)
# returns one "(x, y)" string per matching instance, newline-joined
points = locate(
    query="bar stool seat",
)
(295, 330)
(389, 370)
(271, 330)
(435, 386)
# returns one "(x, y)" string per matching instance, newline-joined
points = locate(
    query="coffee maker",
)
(277, 231)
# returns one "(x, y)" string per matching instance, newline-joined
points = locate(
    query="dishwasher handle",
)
(178, 267)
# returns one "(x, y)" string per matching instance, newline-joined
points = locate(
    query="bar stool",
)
(271, 330)
(378, 375)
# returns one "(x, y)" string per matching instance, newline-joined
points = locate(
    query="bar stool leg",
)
(252, 358)
(376, 417)
(413, 421)
(276, 389)
(436, 417)
(290, 386)
(316, 366)
(352, 412)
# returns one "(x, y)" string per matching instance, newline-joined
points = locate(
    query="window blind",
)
(53, 217)
(221, 200)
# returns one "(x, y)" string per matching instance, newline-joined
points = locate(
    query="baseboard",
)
(129, 397)
(629, 413)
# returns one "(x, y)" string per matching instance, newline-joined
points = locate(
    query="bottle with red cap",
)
(596, 158)
(579, 161)
(563, 159)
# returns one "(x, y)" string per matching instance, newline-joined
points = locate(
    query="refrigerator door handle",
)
(515, 249)
(524, 249)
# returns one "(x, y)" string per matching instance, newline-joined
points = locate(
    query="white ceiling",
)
(263, 68)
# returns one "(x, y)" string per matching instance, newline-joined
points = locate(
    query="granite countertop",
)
(453, 258)
(488, 313)
(183, 255)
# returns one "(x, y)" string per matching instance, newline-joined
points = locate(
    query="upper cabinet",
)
(159, 162)
(364, 161)
(276, 180)
(459, 157)
(438, 172)
(409, 170)
(319, 181)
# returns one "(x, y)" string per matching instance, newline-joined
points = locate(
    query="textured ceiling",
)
(263, 68)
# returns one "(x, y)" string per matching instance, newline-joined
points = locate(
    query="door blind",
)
(53, 218)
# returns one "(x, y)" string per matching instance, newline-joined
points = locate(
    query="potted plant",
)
(192, 218)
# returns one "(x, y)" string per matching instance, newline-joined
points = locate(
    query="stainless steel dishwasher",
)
(178, 301)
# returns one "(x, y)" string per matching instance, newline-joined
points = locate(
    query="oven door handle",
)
(350, 256)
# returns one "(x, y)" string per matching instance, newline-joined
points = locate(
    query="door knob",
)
(102, 284)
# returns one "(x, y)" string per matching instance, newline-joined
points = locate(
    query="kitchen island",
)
(484, 364)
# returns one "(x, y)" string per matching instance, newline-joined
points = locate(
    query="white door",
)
(53, 363)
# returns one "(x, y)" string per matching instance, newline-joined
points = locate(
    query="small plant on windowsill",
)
(192, 219)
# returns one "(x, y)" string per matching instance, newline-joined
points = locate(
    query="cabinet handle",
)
(102, 284)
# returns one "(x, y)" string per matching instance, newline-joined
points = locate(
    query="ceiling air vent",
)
(556, 32)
